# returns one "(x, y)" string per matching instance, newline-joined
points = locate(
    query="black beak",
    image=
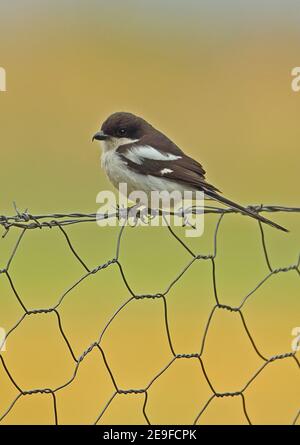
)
(100, 136)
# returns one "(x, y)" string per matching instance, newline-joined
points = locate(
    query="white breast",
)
(118, 172)
(115, 168)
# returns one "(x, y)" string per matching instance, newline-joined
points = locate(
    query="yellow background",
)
(217, 80)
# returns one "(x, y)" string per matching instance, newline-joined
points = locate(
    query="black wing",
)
(158, 156)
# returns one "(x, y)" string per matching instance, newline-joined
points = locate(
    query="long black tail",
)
(242, 209)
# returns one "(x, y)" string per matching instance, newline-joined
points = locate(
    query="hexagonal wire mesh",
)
(25, 221)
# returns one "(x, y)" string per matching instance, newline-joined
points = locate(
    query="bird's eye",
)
(122, 132)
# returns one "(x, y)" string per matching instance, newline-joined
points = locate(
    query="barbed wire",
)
(25, 221)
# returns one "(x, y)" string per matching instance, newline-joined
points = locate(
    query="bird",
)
(136, 153)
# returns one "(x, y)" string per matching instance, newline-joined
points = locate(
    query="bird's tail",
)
(216, 197)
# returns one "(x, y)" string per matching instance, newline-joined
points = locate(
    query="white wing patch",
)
(165, 171)
(138, 153)
(133, 156)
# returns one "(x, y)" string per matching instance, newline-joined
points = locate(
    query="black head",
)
(123, 125)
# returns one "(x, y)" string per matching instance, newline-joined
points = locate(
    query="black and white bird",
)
(137, 154)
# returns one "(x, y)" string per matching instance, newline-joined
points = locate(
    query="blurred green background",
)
(216, 77)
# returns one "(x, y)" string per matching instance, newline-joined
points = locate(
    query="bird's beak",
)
(100, 136)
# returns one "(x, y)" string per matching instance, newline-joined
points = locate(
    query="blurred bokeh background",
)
(216, 77)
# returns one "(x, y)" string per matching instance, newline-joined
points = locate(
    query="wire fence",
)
(24, 221)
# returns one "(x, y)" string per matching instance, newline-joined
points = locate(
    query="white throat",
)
(112, 143)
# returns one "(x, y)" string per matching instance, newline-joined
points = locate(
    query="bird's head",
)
(121, 128)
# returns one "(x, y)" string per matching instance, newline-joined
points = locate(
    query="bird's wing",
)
(166, 160)
(162, 158)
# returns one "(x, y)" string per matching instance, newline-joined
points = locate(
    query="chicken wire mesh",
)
(25, 222)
